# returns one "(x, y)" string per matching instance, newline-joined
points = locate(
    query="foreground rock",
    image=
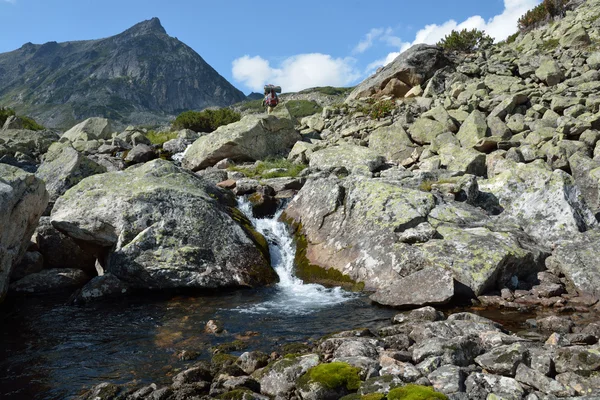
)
(23, 198)
(156, 226)
(253, 138)
(59, 280)
(394, 239)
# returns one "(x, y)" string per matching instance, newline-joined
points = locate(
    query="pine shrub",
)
(465, 41)
(205, 121)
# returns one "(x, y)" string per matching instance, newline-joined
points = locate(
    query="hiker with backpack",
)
(271, 99)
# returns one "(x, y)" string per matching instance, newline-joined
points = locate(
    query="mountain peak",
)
(149, 26)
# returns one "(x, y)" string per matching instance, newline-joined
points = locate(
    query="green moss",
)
(236, 345)
(256, 237)
(373, 396)
(332, 376)
(415, 392)
(160, 137)
(295, 348)
(315, 274)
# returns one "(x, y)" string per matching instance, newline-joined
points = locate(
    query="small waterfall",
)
(292, 296)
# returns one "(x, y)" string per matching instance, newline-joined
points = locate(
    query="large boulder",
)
(91, 129)
(392, 142)
(547, 204)
(23, 198)
(253, 138)
(30, 143)
(413, 67)
(387, 236)
(64, 167)
(164, 227)
(579, 261)
(59, 280)
(347, 156)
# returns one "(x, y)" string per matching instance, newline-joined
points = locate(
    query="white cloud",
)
(295, 73)
(498, 27)
(367, 42)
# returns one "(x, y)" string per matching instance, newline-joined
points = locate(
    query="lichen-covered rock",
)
(164, 228)
(30, 143)
(23, 198)
(503, 360)
(392, 142)
(547, 204)
(90, 129)
(253, 138)
(448, 379)
(541, 382)
(100, 288)
(480, 385)
(279, 379)
(251, 361)
(578, 259)
(550, 72)
(425, 130)
(140, 153)
(473, 129)
(413, 67)
(578, 359)
(63, 168)
(347, 156)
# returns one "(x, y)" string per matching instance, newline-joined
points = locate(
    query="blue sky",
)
(294, 44)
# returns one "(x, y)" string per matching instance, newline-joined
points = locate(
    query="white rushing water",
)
(292, 296)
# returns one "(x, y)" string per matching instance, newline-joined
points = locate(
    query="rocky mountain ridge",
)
(139, 76)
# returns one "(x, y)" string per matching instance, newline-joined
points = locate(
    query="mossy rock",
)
(238, 394)
(236, 345)
(220, 361)
(295, 348)
(310, 273)
(415, 392)
(332, 376)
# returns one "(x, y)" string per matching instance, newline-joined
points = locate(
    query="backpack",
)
(272, 100)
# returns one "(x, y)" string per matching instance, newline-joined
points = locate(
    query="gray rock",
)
(550, 72)
(90, 129)
(448, 379)
(578, 359)
(141, 153)
(31, 263)
(100, 288)
(480, 385)
(347, 156)
(23, 198)
(424, 130)
(410, 292)
(413, 67)
(57, 280)
(583, 385)
(577, 259)
(252, 138)
(503, 360)
(380, 384)
(541, 382)
(473, 129)
(251, 361)
(63, 168)
(280, 379)
(31, 143)
(177, 145)
(182, 233)
(392, 142)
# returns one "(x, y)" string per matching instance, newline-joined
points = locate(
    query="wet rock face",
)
(163, 227)
(23, 198)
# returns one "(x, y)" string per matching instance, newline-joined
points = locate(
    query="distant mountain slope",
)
(139, 76)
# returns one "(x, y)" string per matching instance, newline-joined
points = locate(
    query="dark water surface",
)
(49, 350)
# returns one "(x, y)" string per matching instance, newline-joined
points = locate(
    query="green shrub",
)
(4, 114)
(260, 170)
(512, 38)
(160, 137)
(415, 392)
(333, 375)
(541, 13)
(330, 90)
(382, 109)
(302, 108)
(465, 41)
(550, 44)
(28, 122)
(205, 121)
